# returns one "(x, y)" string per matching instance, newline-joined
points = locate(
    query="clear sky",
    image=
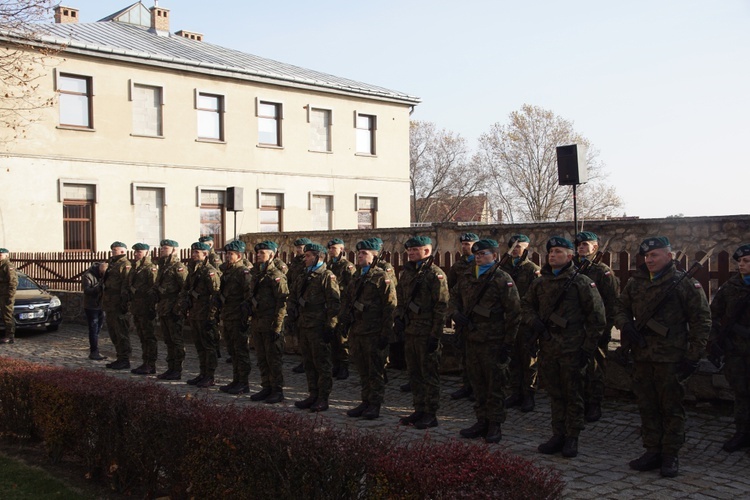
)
(660, 87)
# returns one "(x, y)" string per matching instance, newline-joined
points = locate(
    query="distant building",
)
(150, 128)
(474, 209)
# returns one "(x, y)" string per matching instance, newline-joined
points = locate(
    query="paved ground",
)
(599, 471)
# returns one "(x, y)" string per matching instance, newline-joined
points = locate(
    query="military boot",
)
(594, 411)
(10, 339)
(96, 356)
(553, 445)
(195, 380)
(740, 440)
(264, 393)
(411, 419)
(206, 382)
(479, 429)
(669, 466)
(648, 461)
(163, 376)
(428, 420)
(320, 405)
(239, 388)
(144, 369)
(307, 402)
(119, 364)
(300, 368)
(513, 400)
(372, 412)
(357, 411)
(463, 392)
(230, 385)
(494, 434)
(528, 403)
(343, 373)
(172, 375)
(276, 396)
(570, 447)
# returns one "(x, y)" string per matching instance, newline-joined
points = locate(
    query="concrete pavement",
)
(599, 471)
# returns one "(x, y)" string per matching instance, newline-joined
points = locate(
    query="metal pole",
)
(575, 210)
(235, 224)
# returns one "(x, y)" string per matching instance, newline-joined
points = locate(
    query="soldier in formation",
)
(170, 279)
(344, 270)
(142, 306)
(115, 304)
(8, 286)
(666, 318)
(566, 314)
(218, 265)
(295, 268)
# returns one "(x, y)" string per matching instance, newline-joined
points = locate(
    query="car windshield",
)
(26, 283)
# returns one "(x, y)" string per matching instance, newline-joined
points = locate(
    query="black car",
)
(35, 306)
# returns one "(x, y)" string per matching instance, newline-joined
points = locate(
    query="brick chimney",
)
(191, 35)
(65, 15)
(159, 19)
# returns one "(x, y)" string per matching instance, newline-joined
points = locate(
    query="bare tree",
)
(442, 177)
(522, 161)
(23, 57)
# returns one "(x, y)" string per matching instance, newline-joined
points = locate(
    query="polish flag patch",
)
(277, 280)
(509, 283)
(593, 285)
(697, 285)
(440, 276)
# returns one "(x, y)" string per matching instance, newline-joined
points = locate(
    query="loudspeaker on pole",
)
(234, 199)
(571, 165)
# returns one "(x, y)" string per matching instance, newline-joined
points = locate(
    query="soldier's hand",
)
(603, 341)
(460, 319)
(328, 334)
(503, 355)
(432, 344)
(382, 342)
(399, 327)
(629, 331)
(584, 357)
(685, 369)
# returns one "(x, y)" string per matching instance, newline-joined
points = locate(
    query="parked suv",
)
(35, 306)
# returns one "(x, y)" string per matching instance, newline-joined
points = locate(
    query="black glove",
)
(460, 319)
(399, 327)
(539, 327)
(629, 331)
(382, 342)
(603, 342)
(432, 344)
(328, 333)
(685, 369)
(583, 358)
(503, 354)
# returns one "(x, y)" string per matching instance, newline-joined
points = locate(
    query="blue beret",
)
(199, 245)
(169, 243)
(369, 244)
(4, 250)
(266, 245)
(418, 241)
(484, 245)
(204, 239)
(235, 246)
(586, 236)
(335, 241)
(140, 246)
(738, 254)
(302, 241)
(653, 243)
(468, 237)
(118, 244)
(314, 247)
(559, 241)
(521, 238)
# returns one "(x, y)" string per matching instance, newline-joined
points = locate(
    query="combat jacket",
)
(8, 279)
(141, 285)
(608, 286)
(234, 285)
(169, 282)
(368, 303)
(457, 270)
(389, 271)
(581, 309)
(200, 292)
(685, 313)
(295, 269)
(280, 265)
(523, 272)
(214, 260)
(344, 270)
(116, 284)
(267, 295)
(315, 299)
(730, 315)
(424, 314)
(497, 314)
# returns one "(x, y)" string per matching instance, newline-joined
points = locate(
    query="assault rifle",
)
(646, 320)
(723, 342)
(401, 322)
(355, 304)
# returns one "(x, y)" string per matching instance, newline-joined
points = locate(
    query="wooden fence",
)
(63, 270)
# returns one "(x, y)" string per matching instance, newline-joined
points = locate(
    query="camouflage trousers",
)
(205, 344)
(424, 376)
(171, 330)
(119, 332)
(737, 372)
(269, 354)
(370, 363)
(562, 377)
(144, 327)
(595, 377)
(340, 350)
(488, 378)
(659, 397)
(236, 338)
(316, 357)
(523, 368)
(6, 315)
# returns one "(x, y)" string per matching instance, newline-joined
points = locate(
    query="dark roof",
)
(109, 39)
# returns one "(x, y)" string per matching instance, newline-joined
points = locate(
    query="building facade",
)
(150, 128)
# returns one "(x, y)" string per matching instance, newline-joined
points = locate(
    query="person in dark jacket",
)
(92, 306)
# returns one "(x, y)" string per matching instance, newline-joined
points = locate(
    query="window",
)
(75, 101)
(210, 116)
(271, 206)
(320, 130)
(367, 208)
(147, 106)
(213, 215)
(321, 207)
(269, 123)
(149, 214)
(78, 202)
(365, 134)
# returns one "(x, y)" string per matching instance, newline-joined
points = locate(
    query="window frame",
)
(329, 128)
(218, 241)
(132, 84)
(371, 132)
(327, 194)
(279, 107)
(89, 94)
(279, 209)
(221, 108)
(372, 211)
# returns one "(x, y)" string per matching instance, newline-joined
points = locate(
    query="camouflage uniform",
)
(523, 361)
(235, 282)
(170, 279)
(199, 296)
(560, 356)
(457, 270)
(295, 269)
(8, 286)
(142, 306)
(115, 305)
(216, 262)
(315, 301)
(735, 342)
(494, 324)
(267, 294)
(344, 271)
(424, 317)
(369, 318)
(609, 289)
(687, 315)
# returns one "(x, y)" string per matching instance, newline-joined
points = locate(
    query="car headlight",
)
(55, 302)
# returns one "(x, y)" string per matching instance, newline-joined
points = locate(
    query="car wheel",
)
(53, 328)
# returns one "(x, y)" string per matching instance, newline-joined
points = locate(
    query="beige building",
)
(150, 128)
